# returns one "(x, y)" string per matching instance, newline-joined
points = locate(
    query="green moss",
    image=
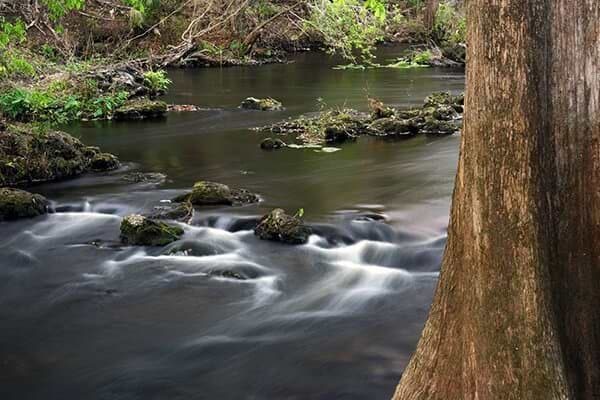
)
(104, 162)
(138, 230)
(28, 156)
(15, 204)
(281, 227)
(205, 193)
(141, 109)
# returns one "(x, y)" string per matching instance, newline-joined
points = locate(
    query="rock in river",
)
(268, 104)
(272, 144)
(395, 127)
(280, 227)
(104, 162)
(142, 231)
(15, 204)
(27, 156)
(141, 109)
(205, 193)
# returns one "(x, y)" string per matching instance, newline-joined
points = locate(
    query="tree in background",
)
(516, 312)
(350, 28)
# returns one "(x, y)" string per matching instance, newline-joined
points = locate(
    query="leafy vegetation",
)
(350, 28)
(59, 8)
(157, 81)
(57, 105)
(11, 32)
(140, 9)
(449, 25)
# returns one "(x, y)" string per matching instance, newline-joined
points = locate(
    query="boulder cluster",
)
(149, 230)
(441, 114)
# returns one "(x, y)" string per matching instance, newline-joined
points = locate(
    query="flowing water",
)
(84, 318)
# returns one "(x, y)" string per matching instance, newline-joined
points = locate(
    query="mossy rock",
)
(437, 127)
(142, 231)
(280, 227)
(267, 104)
(395, 127)
(141, 109)
(272, 144)
(104, 162)
(443, 99)
(206, 193)
(27, 156)
(440, 112)
(16, 204)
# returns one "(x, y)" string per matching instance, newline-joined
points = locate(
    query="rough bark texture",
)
(516, 314)
(431, 8)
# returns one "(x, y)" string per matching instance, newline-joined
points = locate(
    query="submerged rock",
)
(141, 109)
(272, 144)
(144, 177)
(267, 104)
(226, 273)
(205, 193)
(27, 156)
(15, 204)
(280, 227)
(142, 231)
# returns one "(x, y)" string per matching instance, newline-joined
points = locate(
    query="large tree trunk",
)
(516, 314)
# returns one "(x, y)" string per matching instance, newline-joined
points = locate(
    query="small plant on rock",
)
(157, 81)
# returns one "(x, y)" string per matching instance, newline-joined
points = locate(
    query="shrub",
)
(11, 32)
(15, 104)
(19, 66)
(59, 8)
(45, 105)
(449, 25)
(350, 28)
(157, 81)
(422, 57)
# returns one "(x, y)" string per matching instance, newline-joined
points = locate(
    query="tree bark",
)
(431, 8)
(516, 314)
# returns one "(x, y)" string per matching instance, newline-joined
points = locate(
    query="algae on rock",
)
(16, 204)
(280, 227)
(27, 156)
(142, 231)
(206, 193)
(141, 109)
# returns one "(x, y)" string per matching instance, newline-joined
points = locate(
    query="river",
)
(84, 318)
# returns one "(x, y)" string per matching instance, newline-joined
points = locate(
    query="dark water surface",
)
(82, 318)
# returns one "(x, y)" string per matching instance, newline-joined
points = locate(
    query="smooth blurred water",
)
(83, 318)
